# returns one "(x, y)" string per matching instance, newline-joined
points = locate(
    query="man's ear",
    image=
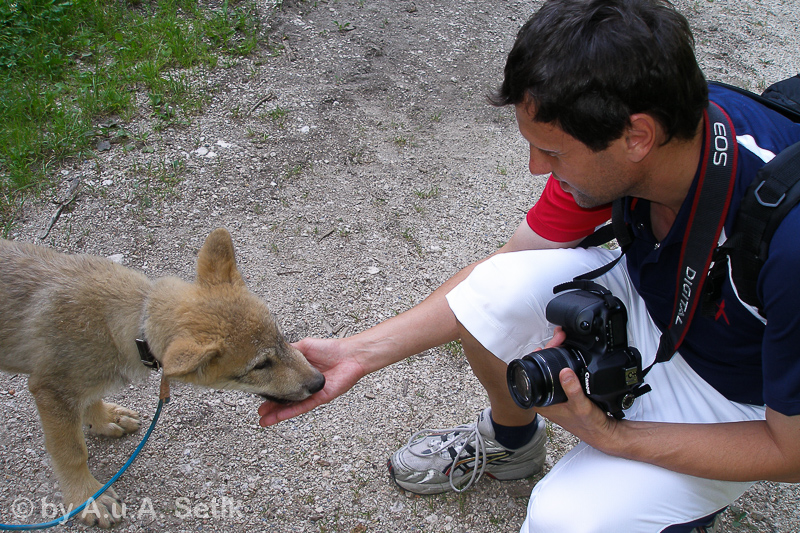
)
(641, 136)
(216, 262)
(184, 356)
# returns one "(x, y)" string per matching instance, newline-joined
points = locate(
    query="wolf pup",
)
(72, 322)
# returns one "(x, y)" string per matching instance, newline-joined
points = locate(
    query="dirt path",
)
(357, 166)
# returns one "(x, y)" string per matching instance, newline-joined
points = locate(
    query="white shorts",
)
(502, 305)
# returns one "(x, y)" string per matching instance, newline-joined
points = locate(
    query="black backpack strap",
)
(783, 96)
(773, 193)
(767, 201)
(602, 235)
(786, 93)
(617, 228)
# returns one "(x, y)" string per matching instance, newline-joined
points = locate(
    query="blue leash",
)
(64, 519)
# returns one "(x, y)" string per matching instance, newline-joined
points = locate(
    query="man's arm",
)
(430, 323)
(736, 451)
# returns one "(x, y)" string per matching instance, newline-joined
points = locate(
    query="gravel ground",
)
(357, 165)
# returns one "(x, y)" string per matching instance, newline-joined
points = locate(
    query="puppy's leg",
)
(110, 420)
(63, 436)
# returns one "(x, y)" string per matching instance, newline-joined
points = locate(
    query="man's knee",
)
(571, 511)
(590, 492)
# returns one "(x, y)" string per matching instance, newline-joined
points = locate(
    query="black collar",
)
(146, 356)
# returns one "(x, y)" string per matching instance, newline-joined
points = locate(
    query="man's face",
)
(592, 178)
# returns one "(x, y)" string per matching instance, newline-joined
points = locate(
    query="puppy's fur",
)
(71, 323)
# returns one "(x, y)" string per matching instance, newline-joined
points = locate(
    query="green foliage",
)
(66, 64)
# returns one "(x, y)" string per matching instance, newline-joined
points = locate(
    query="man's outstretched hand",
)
(341, 372)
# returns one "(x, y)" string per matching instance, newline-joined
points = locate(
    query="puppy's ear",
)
(185, 356)
(216, 263)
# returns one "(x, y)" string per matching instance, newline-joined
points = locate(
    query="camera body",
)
(596, 349)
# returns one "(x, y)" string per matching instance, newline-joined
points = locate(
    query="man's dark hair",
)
(587, 66)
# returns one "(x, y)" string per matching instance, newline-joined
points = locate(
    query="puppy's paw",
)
(105, 512)
(111, 420)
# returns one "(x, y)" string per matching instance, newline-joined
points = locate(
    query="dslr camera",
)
(596, 349)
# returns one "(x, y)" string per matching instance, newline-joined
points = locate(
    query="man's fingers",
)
(266, 407)
(279, 413)
(272, 413)
(558, 338)
(570, 384)
(576, 395)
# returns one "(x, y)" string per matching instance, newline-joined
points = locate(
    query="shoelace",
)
(463, 435)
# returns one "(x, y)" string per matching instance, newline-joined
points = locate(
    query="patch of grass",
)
(155, 183)
(67, 64)
(402, 141)
(433, 192)
(278, 115)
(343, 27)
(294, 171)
(410, 238)
(454, 348)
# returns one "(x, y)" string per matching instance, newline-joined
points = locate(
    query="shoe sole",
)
(439, 488)
(427, 489)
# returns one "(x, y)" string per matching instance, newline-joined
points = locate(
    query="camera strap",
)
(706, 220)
(587, 285)
(703, 229)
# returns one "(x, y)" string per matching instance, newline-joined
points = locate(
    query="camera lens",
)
(533, 379)
(519, 382)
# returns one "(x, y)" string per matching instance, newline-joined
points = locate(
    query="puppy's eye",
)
(266, 363)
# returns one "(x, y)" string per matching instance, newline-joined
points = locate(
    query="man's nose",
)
(538, 163)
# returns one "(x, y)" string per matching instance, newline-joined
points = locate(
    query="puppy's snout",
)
(316, 384)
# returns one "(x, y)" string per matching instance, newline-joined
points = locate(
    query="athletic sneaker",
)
(712, 526)
(438, 460)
